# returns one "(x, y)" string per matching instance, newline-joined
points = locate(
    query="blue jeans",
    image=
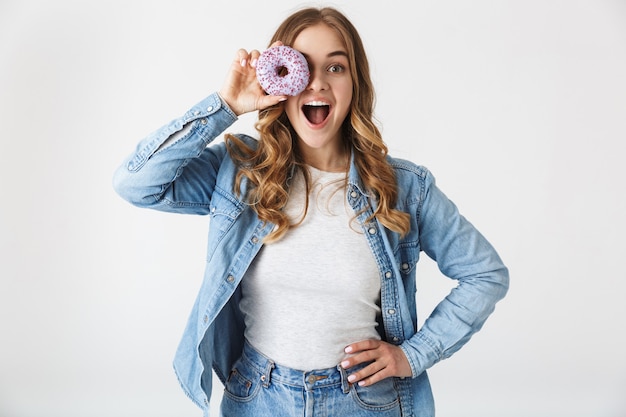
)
(258, 387)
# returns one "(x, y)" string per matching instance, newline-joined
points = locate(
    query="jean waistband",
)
(272, 372)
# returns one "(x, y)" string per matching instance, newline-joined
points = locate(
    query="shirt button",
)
(353, 194)
(230, 279)
(405, 266)
(388, 274)
(255, 240)
(395, 338)
(209, 109)
(391, 311)
(204, 121)
(205, 319)
(372, 230)
(197, 112)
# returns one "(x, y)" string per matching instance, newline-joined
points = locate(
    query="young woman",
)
(307, 306)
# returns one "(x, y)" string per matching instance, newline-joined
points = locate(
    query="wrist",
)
(226, 102)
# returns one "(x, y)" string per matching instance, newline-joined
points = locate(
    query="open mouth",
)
(316, 111)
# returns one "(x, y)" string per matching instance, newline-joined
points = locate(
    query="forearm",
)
(176, 153)
(456, 318)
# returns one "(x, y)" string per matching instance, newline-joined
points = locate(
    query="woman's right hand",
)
(241, 90)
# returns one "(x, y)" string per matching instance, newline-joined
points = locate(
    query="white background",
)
(518, 107)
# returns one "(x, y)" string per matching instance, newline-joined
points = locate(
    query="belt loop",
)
(266, 377)
(345, 384)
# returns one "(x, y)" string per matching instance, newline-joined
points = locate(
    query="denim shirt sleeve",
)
(462, 253)
(172, 169)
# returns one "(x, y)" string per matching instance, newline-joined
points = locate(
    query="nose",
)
(317, 81)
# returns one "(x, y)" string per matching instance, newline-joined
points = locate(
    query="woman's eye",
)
(335, 68)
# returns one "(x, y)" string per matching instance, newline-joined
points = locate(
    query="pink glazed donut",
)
(271, 64)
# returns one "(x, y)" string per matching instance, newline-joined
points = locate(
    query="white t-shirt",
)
(309, 295)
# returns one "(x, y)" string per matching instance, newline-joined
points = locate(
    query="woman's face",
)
(317, 114)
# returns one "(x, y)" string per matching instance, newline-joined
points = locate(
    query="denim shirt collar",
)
(358, 194)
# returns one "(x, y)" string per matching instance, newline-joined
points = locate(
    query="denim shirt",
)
(185, 175)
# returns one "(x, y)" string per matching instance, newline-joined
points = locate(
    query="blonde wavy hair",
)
(269, 166)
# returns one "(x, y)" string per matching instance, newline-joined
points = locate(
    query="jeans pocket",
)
(242, 383)
(380, 396)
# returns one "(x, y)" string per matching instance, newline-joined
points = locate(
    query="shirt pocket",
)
(407, 255)
(224, 211)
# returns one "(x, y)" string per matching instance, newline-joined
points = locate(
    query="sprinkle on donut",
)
(276, 60)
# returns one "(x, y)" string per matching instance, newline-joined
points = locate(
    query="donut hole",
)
(282, 71)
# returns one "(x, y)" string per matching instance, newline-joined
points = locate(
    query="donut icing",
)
(272, 61)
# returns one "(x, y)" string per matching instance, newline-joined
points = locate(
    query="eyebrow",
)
(330, 54)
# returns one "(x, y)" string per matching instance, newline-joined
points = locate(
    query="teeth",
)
(316, 103)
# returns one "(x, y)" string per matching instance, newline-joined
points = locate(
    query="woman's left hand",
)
(387, 360)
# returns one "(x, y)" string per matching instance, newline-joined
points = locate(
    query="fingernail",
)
(352, 378)
(345, 364)
(253, 63)
(243, 62)
(348, 349)
(361, 383)
(282, 99)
